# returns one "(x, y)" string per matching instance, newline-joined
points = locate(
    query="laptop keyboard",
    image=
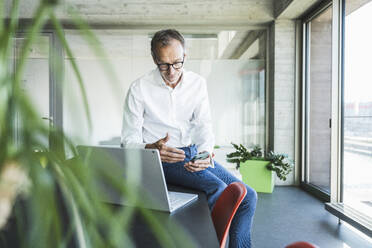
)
(178, 199)
(175, 199)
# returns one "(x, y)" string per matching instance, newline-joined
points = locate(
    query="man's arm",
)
(203, 133)
(131, 133)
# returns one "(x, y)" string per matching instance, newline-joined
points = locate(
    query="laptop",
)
(139, 170)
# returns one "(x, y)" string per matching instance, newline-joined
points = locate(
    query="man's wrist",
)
(150, 146)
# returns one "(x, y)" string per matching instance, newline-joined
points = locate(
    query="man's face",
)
(170, 54)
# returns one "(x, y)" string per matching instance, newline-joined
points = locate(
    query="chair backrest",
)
(225, 208)
(301, 244)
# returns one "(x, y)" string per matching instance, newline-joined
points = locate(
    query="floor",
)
(290, 214)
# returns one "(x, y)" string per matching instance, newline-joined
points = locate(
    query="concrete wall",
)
(282, 83)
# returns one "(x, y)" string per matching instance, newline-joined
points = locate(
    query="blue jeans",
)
(213, 181)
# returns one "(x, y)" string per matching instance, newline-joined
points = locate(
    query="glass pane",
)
(319, 92)
(357, 187)
(236, 83)
(35, 81)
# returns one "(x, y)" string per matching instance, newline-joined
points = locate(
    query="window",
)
(357, 107)
(317, 95)
(337, 104)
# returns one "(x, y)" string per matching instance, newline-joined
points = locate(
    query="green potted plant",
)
(258, 170)
(47, 200)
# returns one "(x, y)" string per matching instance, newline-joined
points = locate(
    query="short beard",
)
(176, 81)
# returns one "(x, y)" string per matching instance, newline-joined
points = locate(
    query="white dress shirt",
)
(152, 109)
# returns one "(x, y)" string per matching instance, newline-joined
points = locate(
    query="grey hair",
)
(163, 38)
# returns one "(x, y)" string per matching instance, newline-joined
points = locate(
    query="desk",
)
(194, 218)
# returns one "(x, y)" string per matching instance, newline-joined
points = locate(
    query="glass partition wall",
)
(35, 82)
(236, 82)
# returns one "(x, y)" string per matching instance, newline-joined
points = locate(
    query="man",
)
(168, 109)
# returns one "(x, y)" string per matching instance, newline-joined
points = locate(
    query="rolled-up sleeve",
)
(131, 133)
(202, 123)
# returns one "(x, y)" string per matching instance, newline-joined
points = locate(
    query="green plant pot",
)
(256, 175)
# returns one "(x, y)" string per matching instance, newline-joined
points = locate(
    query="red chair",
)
(301, 244)
(225, 209)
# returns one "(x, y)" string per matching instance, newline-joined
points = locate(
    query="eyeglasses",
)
(165, 66)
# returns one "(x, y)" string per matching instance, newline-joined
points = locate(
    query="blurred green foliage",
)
(61, 205)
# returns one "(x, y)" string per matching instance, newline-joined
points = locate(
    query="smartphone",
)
(200, 156)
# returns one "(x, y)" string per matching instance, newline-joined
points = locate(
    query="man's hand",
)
(198, 165)
(167, 154)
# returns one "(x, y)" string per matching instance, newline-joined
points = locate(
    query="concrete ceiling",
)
(189, 16)
(228, 50)
(216, 14)
(240, 43)
(292, 9)
(213, 15)
(165, 12)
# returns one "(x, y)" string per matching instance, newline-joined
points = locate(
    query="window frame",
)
(305, 96)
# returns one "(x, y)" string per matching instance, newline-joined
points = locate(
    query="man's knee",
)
(211, 184)
(220, 186)
(251, 198)
(214, 191)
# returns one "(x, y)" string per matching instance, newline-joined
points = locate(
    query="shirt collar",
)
(159, 79)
